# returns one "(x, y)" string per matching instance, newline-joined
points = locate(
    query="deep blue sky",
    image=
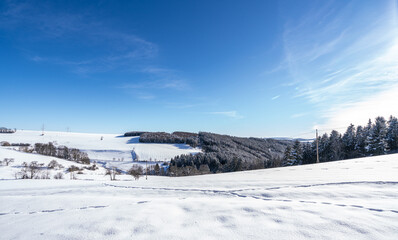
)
(247, 68)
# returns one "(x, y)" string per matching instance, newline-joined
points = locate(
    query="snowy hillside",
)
(351, 199)
(8, 172)
(113, 149)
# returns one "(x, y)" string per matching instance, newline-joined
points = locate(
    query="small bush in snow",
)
(5, 144)
(59, 175)
(92, 167)
(25, 149)
(54, 165)
(45, 175)
(73, 168)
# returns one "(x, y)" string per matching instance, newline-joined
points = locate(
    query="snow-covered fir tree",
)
(335, 146)
(293, 156)
(376, 141)
(297, 153)
(309, 153)
(360, 141)
(349, 142)
(392, 134)
(324, 148)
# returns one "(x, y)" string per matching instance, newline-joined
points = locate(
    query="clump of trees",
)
(35, 170)
(7, 130)
(175, 137)
(71, 154)
(30, 170)
(7, 144)
(133, 134)
(378, 138)
(223, 153)
(20, 144)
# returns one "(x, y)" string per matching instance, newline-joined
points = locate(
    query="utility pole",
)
(146, 170)
(317, 147)
(42, 130)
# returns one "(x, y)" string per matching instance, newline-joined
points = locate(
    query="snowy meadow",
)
(350, 199)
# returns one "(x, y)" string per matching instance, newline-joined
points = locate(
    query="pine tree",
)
(360, 141)
(293, 155)
(297, 153)
(309, 153)
(324, 148)
(377, 144)
(392, 134)
(368, 137)
(349, 142)
(335, 146)
(288, 158)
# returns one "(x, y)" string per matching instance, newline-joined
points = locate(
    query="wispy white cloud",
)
(383, 103)
(339, 62)
(230, 114)
(297, 115)
(158, 84)
(275, 97)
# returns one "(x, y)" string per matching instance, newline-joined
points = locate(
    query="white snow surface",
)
(113, 150)
(351, 199)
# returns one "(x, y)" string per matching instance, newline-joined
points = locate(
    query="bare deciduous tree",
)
(7, 161)
(112, 172)
(135, 171)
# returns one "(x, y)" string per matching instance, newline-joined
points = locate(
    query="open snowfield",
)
(112, 150)
(351, 199)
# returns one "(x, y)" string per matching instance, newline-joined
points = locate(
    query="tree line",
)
(374, 139)
(7, 130)
(175, 137)
(71, 154)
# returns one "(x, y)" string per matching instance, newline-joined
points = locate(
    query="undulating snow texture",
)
(351, 199)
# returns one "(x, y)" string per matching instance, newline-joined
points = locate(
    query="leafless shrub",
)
(59, 175)
(136, 171)
(54, 165)
(45, 175)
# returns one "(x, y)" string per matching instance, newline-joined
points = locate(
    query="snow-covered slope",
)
(113, 149)
(8, 172)
(351, 199)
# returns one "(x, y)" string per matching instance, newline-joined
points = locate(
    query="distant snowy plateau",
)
(350, 199)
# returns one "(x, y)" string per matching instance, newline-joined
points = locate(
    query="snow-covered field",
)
(352, 199)
(114, 150)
